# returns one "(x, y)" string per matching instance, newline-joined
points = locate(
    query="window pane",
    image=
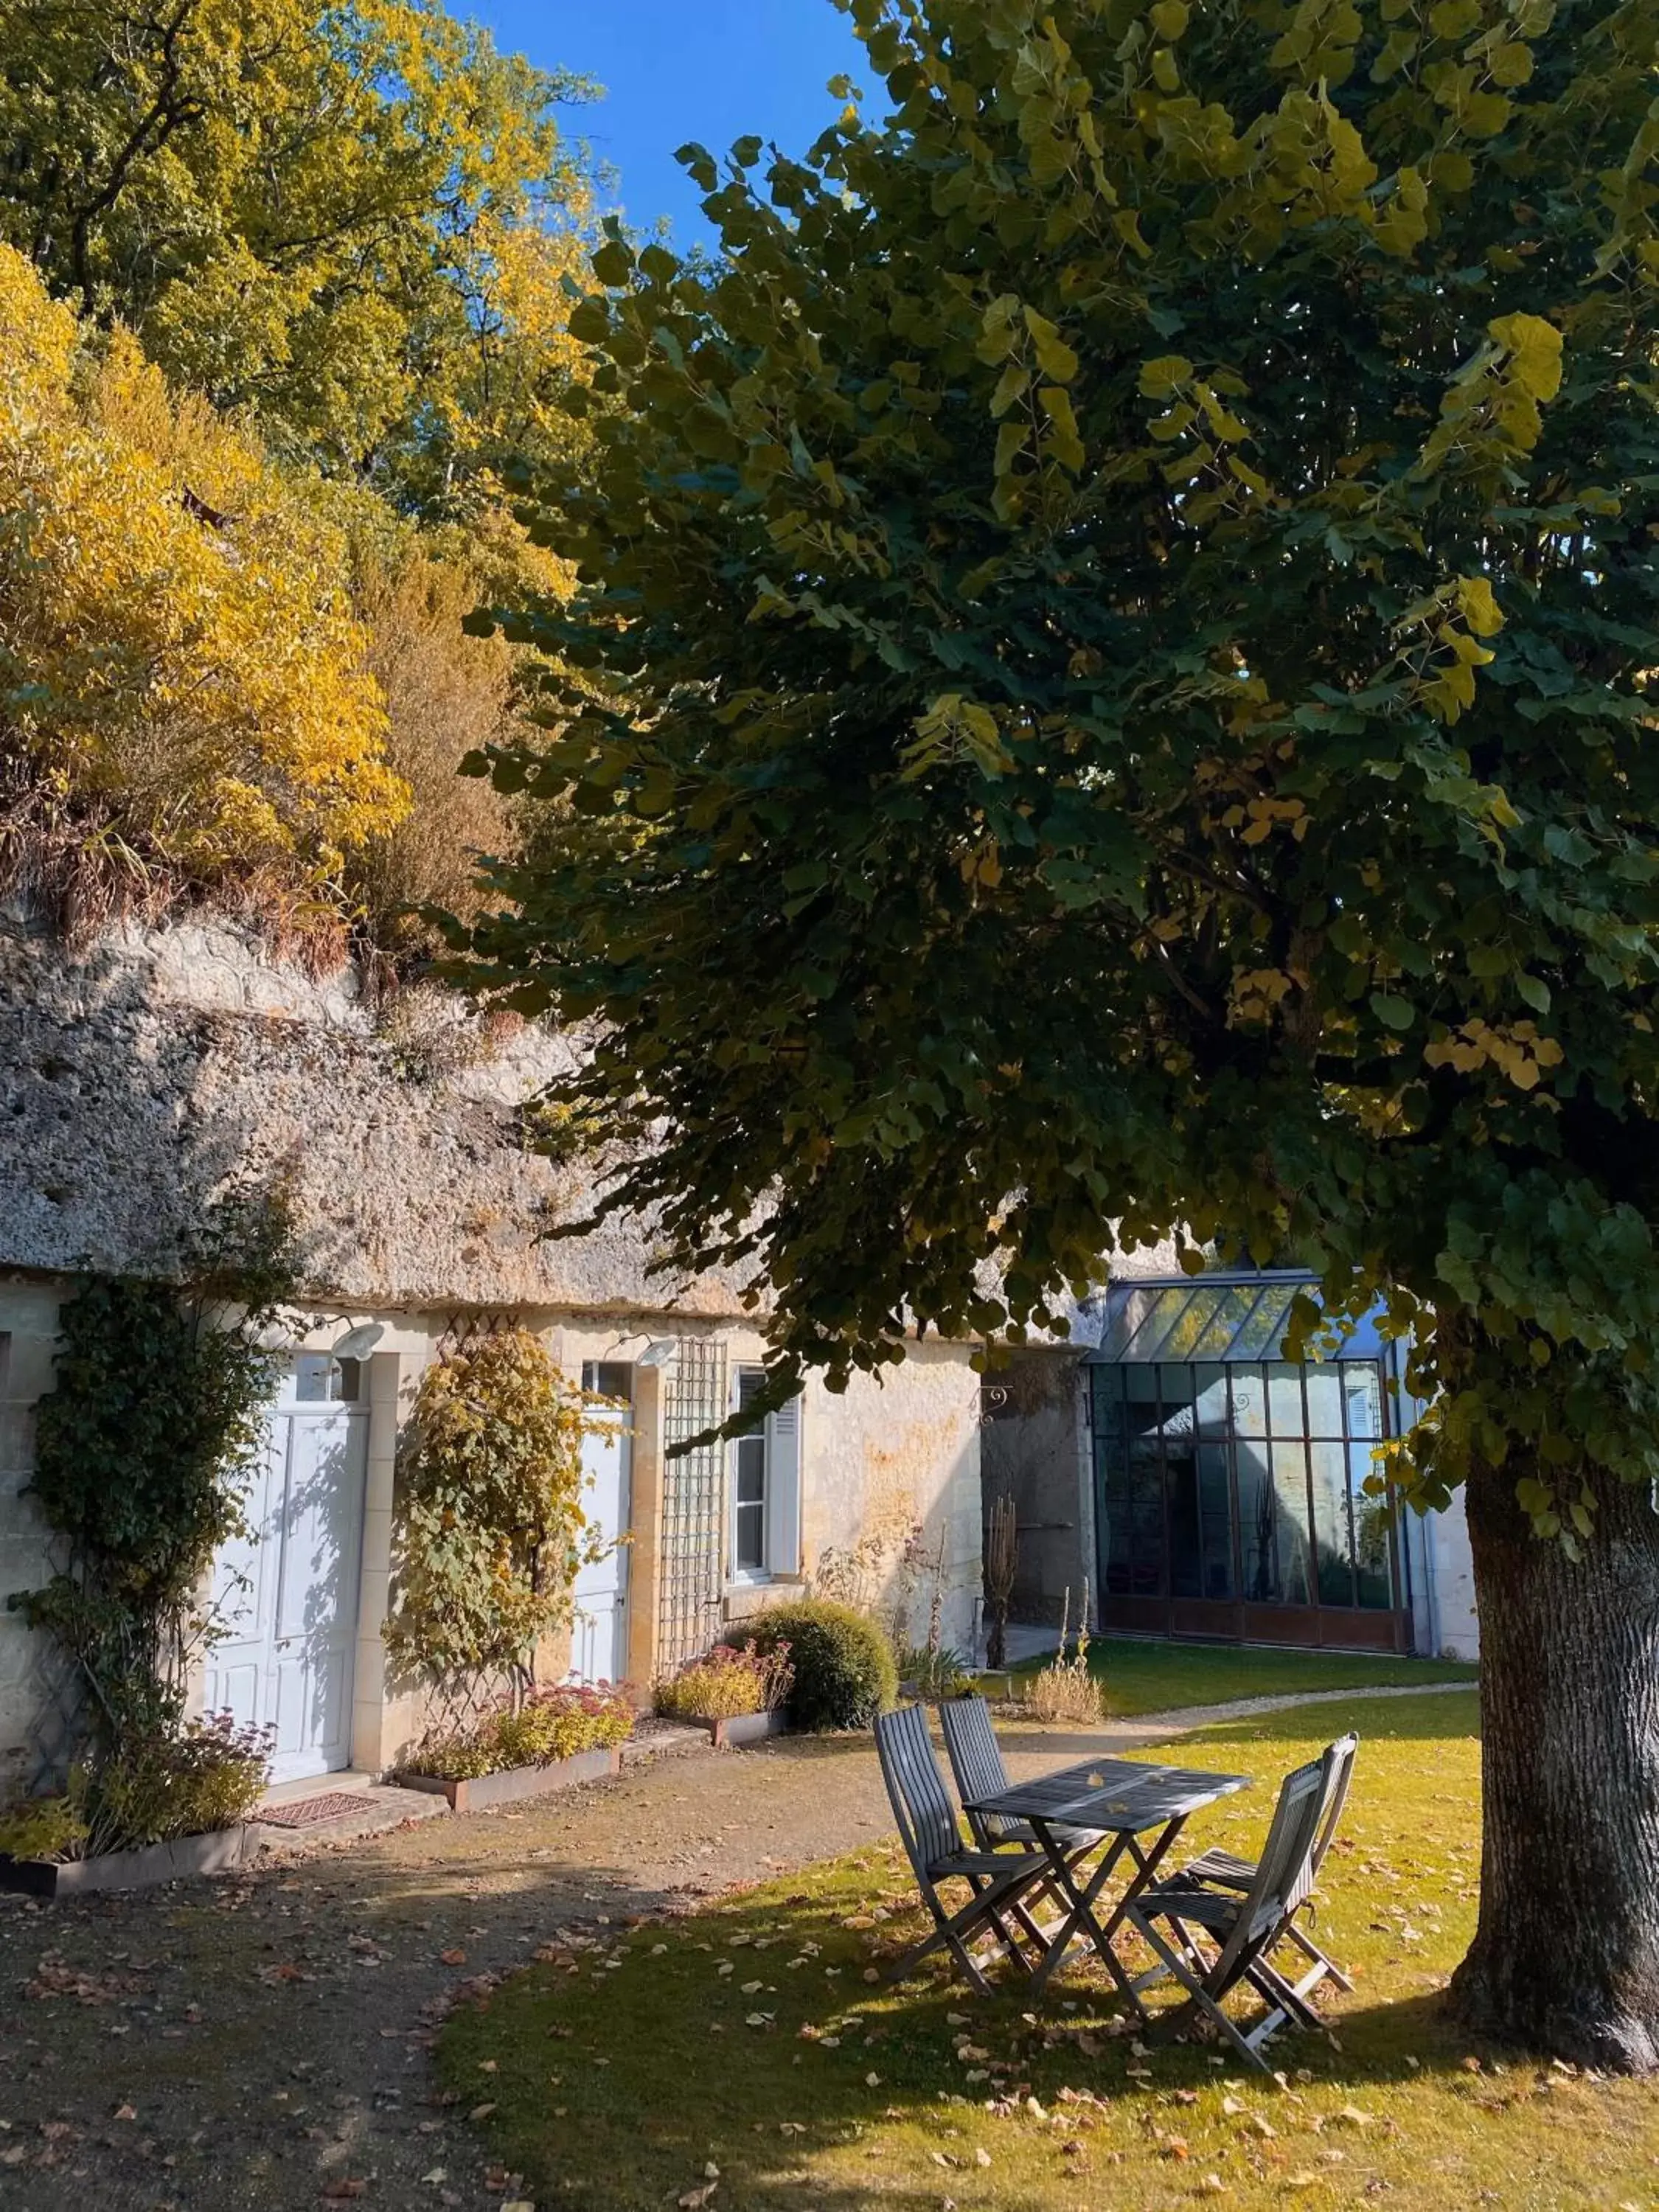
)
(1372, 1517)
(1112, 1469)
(1216, 1516)
(608, 1378)
(1294, 1550)
(1249, 1402)
(751, 1381)
(1324, 1400)
(311, 1376)
(1255, 1525)
(1185, 1537)
(1332, 1545)
(1285, 1399)
(1106, 1390)
(1210, 1400)
(1362, 1385)
(750, 1534)
(1176, 1391)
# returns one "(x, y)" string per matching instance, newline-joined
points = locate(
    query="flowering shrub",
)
(549, 1726)
(728, 1682)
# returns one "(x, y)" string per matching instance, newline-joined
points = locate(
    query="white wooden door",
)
(286, 1594)
(599, 1632)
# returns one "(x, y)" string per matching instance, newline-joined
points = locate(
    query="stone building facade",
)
(141, 1077)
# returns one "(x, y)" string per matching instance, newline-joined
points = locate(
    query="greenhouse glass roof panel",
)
(1241, 1318)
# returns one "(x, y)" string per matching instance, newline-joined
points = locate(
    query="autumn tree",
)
(1125, 602)
(352, 223)
(183, 693)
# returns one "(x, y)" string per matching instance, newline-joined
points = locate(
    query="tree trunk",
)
(1566, 1959)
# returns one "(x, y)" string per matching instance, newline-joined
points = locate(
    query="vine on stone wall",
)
(143, 1446)
(492, 1530)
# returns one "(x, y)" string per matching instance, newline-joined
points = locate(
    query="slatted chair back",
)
(915, 1788)
(1284, 1873)
(977, 1763)
(1339, 1760)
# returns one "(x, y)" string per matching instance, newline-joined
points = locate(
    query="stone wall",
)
(139, 1077)
(881, 1458)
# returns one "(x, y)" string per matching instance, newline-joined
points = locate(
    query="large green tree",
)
(1122, 610)
(349, 220)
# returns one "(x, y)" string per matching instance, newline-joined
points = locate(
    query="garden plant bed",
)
(479, 1792)
(214, 1853)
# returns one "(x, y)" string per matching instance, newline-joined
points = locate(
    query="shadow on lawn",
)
(661, 2070)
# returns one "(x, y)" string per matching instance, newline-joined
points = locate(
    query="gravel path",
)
(261, 2040)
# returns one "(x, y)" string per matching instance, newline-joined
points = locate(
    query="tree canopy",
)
(1126, 598)
(352, 221)
(1120, 614)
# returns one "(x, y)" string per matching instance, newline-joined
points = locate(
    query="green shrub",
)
(50, 1828)
(845, 1672)
(549, 1726)
(727, 1682)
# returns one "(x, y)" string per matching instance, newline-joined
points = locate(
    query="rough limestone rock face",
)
(143, 1075)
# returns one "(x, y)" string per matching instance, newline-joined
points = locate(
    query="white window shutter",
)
(783, 1489)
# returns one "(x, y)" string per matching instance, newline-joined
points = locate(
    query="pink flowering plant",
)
(728, 1682)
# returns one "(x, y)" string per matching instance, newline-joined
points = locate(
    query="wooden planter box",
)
(744, 1728)
(157, 1862)
(477, 1794)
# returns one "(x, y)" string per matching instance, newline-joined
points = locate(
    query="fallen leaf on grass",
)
(457, 1958)
(481, 2112)
(694, 2199)
(337, 2192)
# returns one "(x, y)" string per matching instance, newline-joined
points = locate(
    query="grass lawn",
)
(743, 2047)
(1142, 1676)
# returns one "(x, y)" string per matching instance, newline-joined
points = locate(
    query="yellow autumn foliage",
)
(183, 684)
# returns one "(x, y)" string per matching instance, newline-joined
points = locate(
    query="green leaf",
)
(1055, 357)
(1161, 377)
(613, 263)
(1394, 1013)
(1063, 441)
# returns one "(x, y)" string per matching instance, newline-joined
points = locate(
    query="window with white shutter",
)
(764, 1508)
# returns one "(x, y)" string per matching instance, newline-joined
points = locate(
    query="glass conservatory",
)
(1228, 1488)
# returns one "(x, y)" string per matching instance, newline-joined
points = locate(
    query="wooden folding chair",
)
(1224, 1871)
(1242, 1929)
(976, 1762)
(996, 1880)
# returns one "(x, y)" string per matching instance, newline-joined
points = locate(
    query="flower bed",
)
(554, 1738)
(731, 1684)
(171, 1801)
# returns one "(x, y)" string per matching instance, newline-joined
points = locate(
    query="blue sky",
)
(678, 69)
